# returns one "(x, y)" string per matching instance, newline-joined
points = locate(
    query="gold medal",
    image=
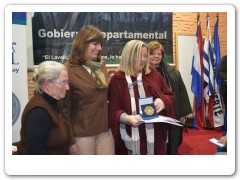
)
(149, 110)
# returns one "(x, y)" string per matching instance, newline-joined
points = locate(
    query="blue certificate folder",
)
(147, 108)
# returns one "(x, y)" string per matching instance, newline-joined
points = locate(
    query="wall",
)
(186, 23)
(183, 23)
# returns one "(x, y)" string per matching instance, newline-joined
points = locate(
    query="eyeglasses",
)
(62, 83)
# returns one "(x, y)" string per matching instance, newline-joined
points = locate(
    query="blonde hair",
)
(47, 70)
(131, 56)
(153, 45)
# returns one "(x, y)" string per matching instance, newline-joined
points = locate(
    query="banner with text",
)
(53, 32)
(19, 72)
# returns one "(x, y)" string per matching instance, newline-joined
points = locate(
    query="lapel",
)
(169, 67)
(83, 74)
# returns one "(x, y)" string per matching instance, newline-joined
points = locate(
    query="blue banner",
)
(19, 18)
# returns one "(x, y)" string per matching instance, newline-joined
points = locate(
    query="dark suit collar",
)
(169, 68)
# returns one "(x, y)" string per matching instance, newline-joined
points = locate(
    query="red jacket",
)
(119, 102)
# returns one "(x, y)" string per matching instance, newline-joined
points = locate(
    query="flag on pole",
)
(217, 54)
(215, 112)
(208, 64)
(197, 80)
(208, 71)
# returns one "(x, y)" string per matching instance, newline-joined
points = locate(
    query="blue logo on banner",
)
(16, 107)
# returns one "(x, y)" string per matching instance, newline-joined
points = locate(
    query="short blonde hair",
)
(131, 55)
(153, 45)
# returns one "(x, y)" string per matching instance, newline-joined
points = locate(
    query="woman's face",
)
(156, 57)
(143, 60)
(92, 50)
(60, 86)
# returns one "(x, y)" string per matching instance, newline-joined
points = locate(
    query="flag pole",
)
(198, 17)
(194, 99)
(205, 101)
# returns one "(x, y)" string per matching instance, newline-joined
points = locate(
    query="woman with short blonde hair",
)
(134, 80)
(131, 55)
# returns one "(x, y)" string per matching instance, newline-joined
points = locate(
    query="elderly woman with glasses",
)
(135, 80)
(44, 130)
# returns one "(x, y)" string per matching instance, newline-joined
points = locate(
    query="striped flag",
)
(197, 81)
(208, 64)
(215, 113)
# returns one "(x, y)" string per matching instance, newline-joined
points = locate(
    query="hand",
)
(133, 120)
(183, 120)
(74, 150)
(223, 140)
(159, 105)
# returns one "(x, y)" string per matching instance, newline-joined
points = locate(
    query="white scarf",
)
(133, 143)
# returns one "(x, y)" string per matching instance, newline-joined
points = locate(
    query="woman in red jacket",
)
(136, 79)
